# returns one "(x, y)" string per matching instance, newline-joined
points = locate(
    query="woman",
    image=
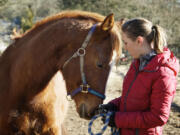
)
(149, 85)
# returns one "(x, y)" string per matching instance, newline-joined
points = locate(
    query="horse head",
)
(86, 70)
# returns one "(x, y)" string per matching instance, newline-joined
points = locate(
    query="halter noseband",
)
(84, 88)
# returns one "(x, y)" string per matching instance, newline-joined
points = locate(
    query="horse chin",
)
(85, 117)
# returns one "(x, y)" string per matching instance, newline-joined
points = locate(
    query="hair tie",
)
(153, 28)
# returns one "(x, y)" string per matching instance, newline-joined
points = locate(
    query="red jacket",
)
(147, 95)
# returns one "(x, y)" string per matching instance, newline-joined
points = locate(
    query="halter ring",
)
(69, 98)
(81, 52)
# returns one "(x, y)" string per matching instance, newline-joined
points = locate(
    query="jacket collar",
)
(145, 59)
(162, 59)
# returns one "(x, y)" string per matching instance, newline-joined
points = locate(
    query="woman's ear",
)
(140, 40)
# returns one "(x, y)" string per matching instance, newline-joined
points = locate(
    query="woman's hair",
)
(142, 27)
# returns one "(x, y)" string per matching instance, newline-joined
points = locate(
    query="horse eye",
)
(100, 65)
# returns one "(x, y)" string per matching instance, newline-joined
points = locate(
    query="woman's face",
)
(132, 46)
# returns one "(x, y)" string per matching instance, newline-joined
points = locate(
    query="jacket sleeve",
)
(116, 101)
(163, 91)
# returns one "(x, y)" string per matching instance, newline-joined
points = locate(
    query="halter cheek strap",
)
(84, 88)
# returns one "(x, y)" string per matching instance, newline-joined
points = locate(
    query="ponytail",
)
(159, 38)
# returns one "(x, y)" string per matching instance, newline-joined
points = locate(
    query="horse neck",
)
(33, 70)
(28, 67)
(33, 61)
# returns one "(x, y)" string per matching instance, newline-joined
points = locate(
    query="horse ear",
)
(120, 22)
(108, 22)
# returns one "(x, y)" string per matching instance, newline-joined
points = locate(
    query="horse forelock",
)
(117, 44)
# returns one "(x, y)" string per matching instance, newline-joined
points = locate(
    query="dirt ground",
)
(78, 126)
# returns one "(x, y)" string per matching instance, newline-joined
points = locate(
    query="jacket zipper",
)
(125, 98)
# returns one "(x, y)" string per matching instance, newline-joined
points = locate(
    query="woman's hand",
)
(104, 108)
(111, 120)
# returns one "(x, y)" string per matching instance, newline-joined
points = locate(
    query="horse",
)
(65, 55)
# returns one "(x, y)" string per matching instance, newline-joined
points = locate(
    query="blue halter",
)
(84, 88)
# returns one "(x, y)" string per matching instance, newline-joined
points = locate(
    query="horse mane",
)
(67, 14)
(116, 37)
(51, 19)
(72, 14)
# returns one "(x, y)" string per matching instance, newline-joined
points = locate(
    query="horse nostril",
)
(94, 112)
(20, 133)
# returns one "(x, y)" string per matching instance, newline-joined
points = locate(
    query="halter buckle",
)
(84, 88)
(81, 52)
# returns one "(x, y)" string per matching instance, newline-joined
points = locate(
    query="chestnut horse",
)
(69, 53)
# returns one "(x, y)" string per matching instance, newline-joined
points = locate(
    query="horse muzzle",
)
(84, 113)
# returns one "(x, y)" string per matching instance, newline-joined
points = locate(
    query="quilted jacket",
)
(147, 95)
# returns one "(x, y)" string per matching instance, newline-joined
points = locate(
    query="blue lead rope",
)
(114, 131)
